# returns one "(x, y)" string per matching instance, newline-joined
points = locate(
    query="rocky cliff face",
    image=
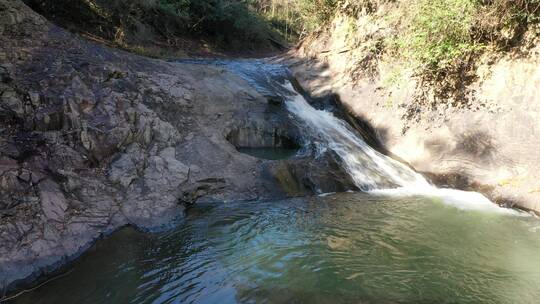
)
(92, 139)
(487, 141)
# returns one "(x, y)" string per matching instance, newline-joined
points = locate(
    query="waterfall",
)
(372, 171)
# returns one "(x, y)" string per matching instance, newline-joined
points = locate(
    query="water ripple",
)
(340, 248)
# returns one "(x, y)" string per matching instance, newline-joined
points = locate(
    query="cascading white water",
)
(372, 171)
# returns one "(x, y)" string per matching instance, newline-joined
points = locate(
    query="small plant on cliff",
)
(441, 38)
(503, 22)
(316, 13)
(437, 33)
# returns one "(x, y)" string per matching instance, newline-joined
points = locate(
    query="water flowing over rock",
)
(92, 139)
(372, 171)
(487, 140)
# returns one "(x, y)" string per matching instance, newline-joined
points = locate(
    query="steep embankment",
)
(173, 29)
(92, 139)
(480, 132)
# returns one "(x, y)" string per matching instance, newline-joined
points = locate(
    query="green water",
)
(346, 248)
(272, 153)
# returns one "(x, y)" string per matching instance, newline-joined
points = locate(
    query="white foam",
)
(372, 171)
(463, 200)
(326, 194)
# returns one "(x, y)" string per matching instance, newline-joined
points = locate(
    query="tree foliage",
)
(227, 20)
(438, 32)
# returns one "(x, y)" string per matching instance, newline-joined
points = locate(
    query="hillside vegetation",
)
(440, 41)
(173, 27)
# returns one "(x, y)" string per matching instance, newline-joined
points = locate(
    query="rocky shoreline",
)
(93, 139)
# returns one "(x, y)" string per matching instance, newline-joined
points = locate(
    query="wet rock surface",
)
(488, 143)
(92, 139)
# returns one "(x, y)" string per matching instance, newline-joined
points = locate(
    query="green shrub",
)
(438, 32)
(228, 21)
(316, 13)
(441, 33)
(282, 15)
(502, 22)
(230, 24)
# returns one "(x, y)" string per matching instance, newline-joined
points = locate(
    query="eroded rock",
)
(92, 139)
(53, 202)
